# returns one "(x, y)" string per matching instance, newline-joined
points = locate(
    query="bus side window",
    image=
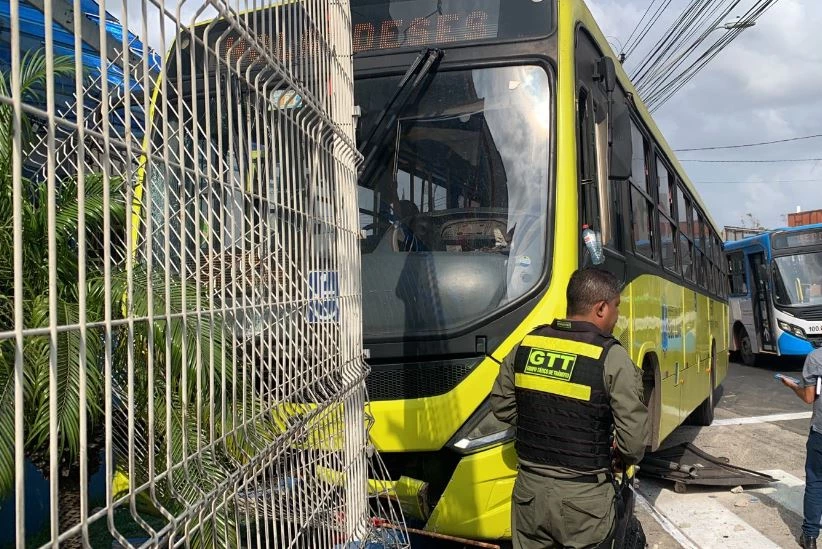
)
(719, 266)
(607, 201)
(642, 204)
(737, 277)
(699, 240)
(686, 248)
(586, 161)
(599, 198)
(667, 226)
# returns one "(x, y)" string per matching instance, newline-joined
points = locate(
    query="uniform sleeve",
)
(503, 400)
(812, 368)
(624, 383)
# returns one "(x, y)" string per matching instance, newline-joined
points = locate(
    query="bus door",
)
(761, 301)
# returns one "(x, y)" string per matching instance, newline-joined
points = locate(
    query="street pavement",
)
(761, 425)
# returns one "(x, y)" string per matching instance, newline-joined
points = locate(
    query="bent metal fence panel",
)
(180, 345)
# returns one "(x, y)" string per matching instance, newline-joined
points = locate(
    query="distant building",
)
(810, 217)
(738, 233)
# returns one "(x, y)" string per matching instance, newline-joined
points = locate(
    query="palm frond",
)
(68, 212)
(36, 366)
(195, 471)
(35, 251)
(33, 77)
(7, 410)
(200, 335)
(6, 304)
(33, 80)
(33, 73)
(69, 369)
(6, 128)
(198, 475)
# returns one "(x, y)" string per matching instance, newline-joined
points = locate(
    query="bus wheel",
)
(704, 414)
(746, 349)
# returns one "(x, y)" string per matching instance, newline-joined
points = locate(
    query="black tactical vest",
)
(563, 415)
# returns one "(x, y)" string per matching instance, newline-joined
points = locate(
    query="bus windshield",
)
(453, 222)
(798, 280)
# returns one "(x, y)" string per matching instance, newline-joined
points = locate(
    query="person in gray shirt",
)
(807, 391)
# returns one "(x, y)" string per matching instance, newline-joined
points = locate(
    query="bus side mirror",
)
(619, 141)
(619, 160)
(605, 70)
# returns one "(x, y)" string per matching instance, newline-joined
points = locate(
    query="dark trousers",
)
(813, 486)
(549, 512)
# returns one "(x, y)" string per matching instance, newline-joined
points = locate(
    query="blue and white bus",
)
(775, 294)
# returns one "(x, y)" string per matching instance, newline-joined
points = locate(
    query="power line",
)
(750, 144)
(663, 69)
(659, 44)
(665, 88)
(698, 17)
(638, 23)
(705, 160)
(631, 46)
(741, 182)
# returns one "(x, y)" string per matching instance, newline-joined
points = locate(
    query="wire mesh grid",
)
(180, 324)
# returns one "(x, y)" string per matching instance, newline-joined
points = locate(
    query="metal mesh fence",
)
(180, 324)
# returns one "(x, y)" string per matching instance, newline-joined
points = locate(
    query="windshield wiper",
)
(422, 66)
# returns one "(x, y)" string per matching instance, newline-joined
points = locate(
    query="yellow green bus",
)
(493, 132)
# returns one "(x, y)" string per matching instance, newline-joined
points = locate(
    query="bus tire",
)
(746, 353)
(704, 413)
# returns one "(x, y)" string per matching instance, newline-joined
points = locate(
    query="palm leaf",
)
(69, 369)
(6, 293)
(35, 250)
(68, 213)
(36, 359)
(198, 335)
(192, 474)
(33, 73)
(7, 411)
(204, 474)
(33, 79)
(6, 127)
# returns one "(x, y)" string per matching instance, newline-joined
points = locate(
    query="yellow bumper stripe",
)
(563, 346)
(553, 386)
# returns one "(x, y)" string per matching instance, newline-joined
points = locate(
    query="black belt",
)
(588, 479)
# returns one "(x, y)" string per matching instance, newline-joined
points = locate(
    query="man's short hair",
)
(589, 287)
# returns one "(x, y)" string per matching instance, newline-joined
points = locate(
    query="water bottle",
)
(593, 244)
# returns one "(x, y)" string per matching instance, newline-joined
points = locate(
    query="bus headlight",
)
(790, 328)
(481, 430)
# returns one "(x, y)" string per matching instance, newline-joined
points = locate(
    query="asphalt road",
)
(760, 425)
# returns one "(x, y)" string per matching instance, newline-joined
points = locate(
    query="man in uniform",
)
(808, 390)
(576, 399)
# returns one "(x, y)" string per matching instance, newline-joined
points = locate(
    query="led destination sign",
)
(437, 29)
(379, 25)
(784, 240)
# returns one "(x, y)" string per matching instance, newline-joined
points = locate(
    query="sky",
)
(766, 85)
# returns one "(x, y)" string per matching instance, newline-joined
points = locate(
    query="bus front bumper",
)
(476, 502)
(790, 344)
